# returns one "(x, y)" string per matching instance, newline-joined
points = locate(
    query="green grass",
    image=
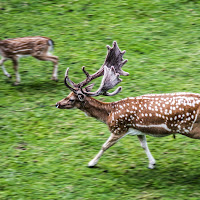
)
(44, 151)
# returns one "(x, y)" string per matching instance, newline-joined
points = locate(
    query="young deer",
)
(154, 114)
(36, 46)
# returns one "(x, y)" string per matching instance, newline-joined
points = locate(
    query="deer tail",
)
(51, 44)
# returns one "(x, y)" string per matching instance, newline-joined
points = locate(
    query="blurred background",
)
(45, 151)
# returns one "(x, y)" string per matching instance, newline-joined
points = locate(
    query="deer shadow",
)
(38, 86)
(159, 177)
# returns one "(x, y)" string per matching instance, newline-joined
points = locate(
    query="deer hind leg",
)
(16, 66)
(195, 133)
(54, 60)
(3, 67)
(143, 142)
(110, 142)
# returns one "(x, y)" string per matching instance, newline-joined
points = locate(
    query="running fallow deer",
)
(37, 46)
(152, 114)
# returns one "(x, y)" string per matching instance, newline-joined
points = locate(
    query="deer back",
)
(156, 114)
(35, 46)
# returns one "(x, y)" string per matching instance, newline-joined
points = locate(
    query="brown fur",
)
(36, 46)
(152, 115)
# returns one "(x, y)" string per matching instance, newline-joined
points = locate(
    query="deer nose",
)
(57, 105)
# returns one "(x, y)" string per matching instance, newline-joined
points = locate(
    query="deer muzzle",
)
(57, 105)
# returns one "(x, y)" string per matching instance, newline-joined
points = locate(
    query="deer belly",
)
(156, 130)
(23, 55)
(160, 130)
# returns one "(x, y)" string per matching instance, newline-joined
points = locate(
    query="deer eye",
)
(71, 100)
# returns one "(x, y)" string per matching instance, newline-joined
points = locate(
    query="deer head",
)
(110, 70)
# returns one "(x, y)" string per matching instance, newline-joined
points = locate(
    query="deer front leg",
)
(143, 142)
(111, 141)
(3, 67)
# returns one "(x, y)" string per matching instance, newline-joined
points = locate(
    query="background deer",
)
(154, 114)
(36, 46)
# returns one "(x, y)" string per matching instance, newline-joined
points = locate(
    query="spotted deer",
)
(37, 46)
(152, 114)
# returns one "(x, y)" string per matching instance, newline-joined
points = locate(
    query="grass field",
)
(44, 151)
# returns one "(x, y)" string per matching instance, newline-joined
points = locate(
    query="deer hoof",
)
(91, 166)
(152, 166)
(92, 163)
(16, 83)
(54, 79)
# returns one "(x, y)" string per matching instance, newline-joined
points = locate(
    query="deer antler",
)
(115, 58)
(66, 80)
(109, 80)
(111, 70)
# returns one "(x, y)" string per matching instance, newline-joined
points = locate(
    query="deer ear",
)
(89, 87)
(81, 97)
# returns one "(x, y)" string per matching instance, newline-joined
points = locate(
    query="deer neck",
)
(97, 109)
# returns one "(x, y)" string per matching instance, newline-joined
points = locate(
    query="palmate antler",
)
(110, 70)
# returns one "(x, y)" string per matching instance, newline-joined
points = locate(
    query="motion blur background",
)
(44, 151)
